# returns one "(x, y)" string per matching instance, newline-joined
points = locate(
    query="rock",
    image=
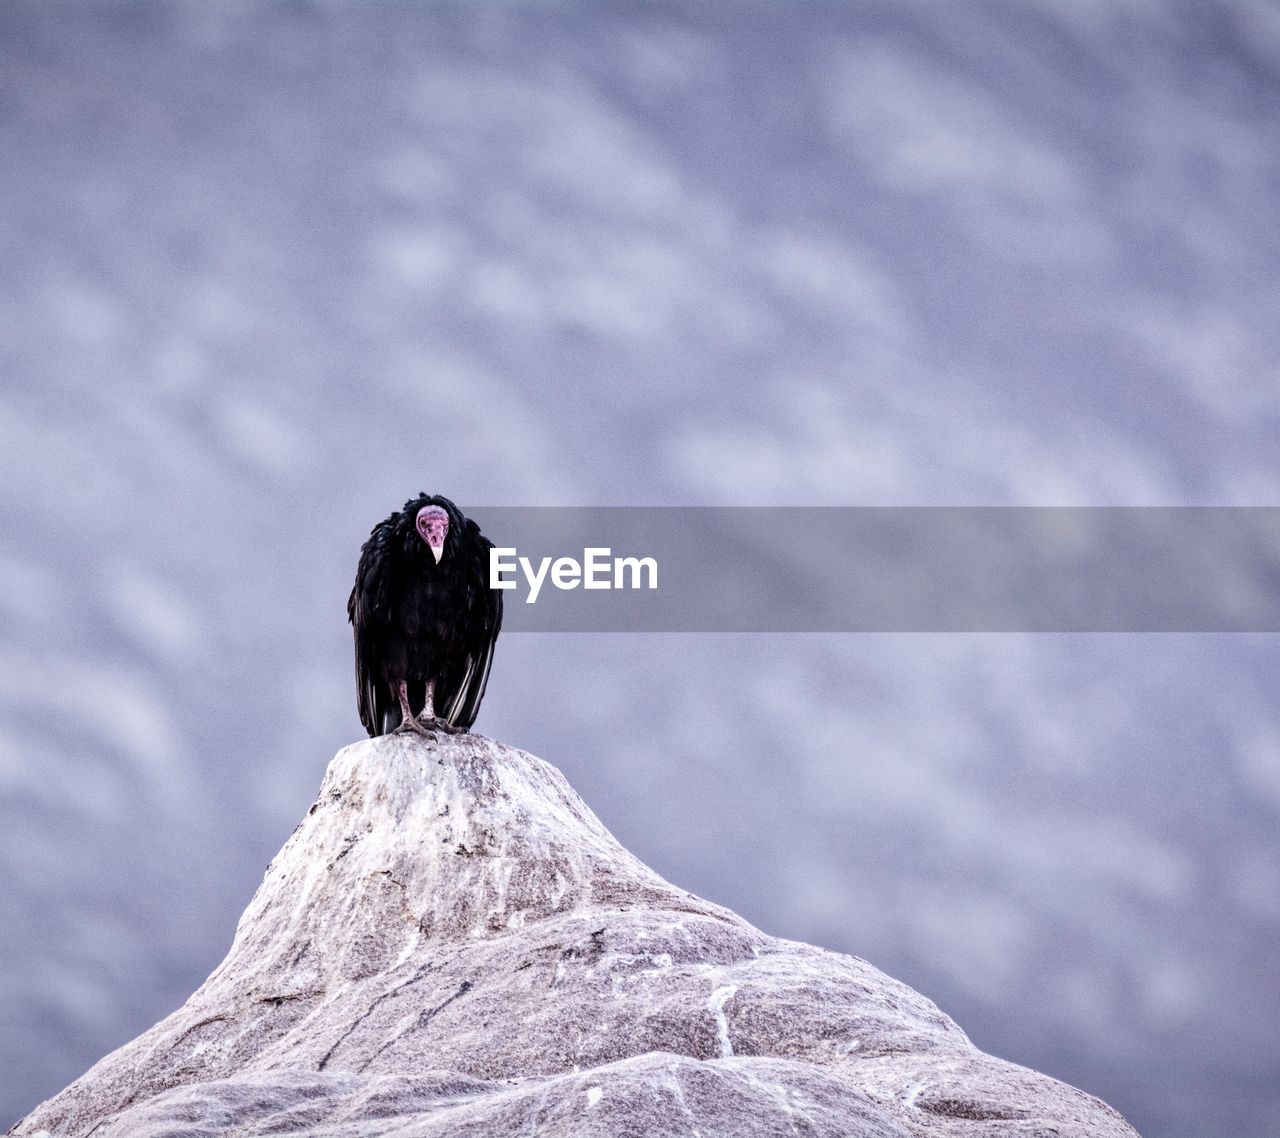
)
(451, 943)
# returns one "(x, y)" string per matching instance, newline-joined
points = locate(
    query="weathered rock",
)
(452, 944)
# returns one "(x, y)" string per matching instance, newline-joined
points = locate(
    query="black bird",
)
(425, 620)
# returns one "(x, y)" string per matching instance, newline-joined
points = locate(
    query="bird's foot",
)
(414, 726)
(427, 726)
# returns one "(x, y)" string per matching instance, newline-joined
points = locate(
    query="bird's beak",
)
(437, 551)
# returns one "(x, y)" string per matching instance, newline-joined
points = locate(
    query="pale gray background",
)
(268, 269)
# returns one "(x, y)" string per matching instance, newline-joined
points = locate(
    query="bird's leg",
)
(411, 722)
(429, 713)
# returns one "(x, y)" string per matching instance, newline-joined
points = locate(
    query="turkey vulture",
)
(425, 620)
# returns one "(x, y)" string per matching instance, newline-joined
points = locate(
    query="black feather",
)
(416, 620)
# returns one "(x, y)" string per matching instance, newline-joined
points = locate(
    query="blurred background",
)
(267, 269)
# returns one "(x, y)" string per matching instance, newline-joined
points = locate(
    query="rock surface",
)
(451, 943)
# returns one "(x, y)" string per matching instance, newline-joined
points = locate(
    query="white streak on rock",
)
(715, 1005)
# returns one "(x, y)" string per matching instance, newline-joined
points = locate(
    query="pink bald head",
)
(433, 528)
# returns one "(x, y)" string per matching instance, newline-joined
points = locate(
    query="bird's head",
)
(433, 527)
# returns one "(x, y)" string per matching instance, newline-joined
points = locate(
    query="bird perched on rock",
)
(425, 620)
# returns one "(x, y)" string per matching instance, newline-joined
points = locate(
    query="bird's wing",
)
(369, 611)
(459, 693)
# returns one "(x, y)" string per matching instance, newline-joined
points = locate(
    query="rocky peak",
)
(451, 943)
